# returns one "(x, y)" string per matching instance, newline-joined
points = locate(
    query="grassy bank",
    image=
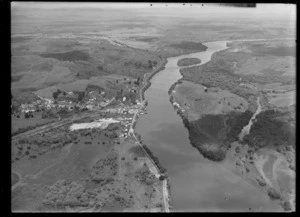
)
(148, 78)
(142, 91)
(154, 159)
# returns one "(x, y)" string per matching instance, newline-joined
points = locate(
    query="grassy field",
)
(101, 172)
(59, 61)
(199, 100)
(23, 122)
(283, 100)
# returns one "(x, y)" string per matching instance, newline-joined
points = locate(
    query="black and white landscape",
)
(153, 107)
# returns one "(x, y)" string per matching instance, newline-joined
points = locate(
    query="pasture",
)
(199, 100)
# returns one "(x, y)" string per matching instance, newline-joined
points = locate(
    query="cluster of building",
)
(125, 109)
(94, 100)
(39, 104)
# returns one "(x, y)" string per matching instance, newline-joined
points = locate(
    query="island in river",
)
(217, 101)
(188, 61)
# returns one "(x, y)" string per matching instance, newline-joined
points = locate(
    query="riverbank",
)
(147, 83)
(217, 153)
(157, 168)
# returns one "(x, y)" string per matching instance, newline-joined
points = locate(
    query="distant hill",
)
(248, 5)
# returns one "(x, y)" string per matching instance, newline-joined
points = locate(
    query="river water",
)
(197, 184)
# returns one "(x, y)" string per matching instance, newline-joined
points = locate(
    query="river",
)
(197, 184)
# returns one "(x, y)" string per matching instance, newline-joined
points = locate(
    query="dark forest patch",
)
(68, 56)
(268, 129)
(146, 39)
(205, 132)
(91, 87)
(274, 51)
(15, 78)
(188, 61)
(188, 45)
(236, 122)
(213, 134)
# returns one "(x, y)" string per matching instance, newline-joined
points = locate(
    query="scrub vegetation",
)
(213, 134)
(188, 61)
(267, 129)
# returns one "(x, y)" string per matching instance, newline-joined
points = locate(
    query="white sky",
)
(273, 10)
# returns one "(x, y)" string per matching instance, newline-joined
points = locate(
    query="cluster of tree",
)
(76, 195)
(74, 55)
(63, 111)
(14, 106)
(217, 74)
(56, 93)
(137, 82)
(266, 129)
(217, 155)
(24, 129)
(100, 67)
(155, 159)
(111, 134)
(150, 64)
(144, 176)
(189, 45)
(80, 95)
(28, 115)
(91, 87)
(286, 206)
(235, 122)
(119, 94)
(188, 61)
(108, 166)
(273, 194)
(48, 114)
(142, 65)
(46, 140)
(207, 130)
(174, 85)
(261, 181)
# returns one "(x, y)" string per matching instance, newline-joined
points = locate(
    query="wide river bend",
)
(197, 184)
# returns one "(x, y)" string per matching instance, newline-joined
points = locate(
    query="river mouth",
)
(197, 184)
